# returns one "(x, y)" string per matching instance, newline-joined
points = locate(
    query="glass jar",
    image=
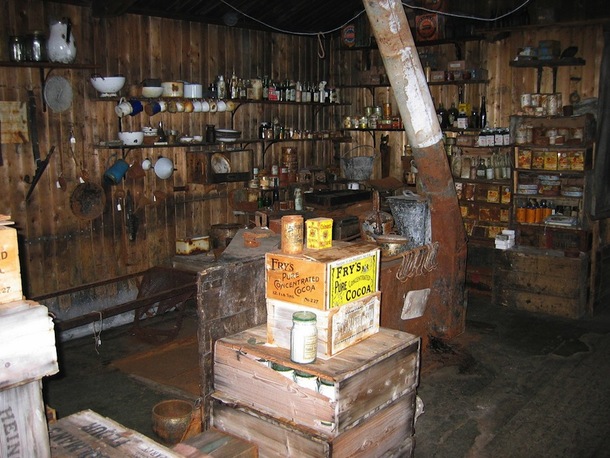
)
(16, 49)
(36, 47)
(303, 337)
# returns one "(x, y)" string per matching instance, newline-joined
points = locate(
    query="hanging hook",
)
(321, 51)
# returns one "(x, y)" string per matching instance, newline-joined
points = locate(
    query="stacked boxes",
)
(364, 377)
(339, 284)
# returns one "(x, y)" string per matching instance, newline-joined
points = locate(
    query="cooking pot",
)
(222, 234)
(193, 90)
(173, 88)
(392, 245)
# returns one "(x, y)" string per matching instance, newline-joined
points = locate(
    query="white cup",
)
(221, 106)
(123, 108)
(213, 106)
(205, 106)
(197, 106)
(146, 164)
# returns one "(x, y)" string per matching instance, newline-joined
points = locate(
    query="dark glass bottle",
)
(452, 115)
(443, 117)
(483, 114)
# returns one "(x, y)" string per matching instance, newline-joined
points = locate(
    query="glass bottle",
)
(481, 169)
(452, 115)
(304, 337)
(462, 120)
(483, 114)
(443, 119)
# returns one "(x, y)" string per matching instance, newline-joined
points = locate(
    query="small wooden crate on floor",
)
(387, 433)
(338, 328)
(87, 433)
(367, 377)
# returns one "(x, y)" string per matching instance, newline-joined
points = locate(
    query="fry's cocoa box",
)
(323, 279)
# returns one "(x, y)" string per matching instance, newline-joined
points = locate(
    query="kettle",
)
(60, 44)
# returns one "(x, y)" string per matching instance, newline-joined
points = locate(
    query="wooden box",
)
(87, 433)
(27, 343)
(323, 279)
(216, 444)
(541, 280)
(388, 432)
(367, 377)
(24, 426)
(338, 328)
(10, 272)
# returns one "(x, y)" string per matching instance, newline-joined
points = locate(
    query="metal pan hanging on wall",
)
(87, 201)
(58, 93)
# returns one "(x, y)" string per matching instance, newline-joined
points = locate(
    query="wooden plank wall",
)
(60, 251)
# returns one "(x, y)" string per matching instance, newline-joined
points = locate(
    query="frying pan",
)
(87, 201)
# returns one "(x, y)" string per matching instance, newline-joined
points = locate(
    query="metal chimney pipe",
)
(445, 311)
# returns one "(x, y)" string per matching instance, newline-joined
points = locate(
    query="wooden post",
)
(445, 311)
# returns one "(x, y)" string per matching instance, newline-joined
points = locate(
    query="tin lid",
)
(304, 317)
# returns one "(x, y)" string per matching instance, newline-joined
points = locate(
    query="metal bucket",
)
(170, 419)
(411, 217)
(358, 168)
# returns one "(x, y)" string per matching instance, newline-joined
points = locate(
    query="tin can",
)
(526, 100)
(535, 100)
(292, 234)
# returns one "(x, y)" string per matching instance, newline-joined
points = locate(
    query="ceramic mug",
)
(197, 106)
(188, 106)
(136, 107)
(213, 106)
(152, 108)
(123, 108)
(221, 106)
(205, 106)
(116, 172)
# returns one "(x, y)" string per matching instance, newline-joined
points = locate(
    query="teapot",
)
(60, 44)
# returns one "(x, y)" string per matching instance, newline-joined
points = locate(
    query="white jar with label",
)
(303, 337)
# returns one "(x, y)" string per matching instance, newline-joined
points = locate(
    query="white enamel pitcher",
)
(60, 45)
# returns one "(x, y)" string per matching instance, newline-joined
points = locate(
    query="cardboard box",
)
(323, 279)
(362, 378)
(319, 233)
(456, 65)
(429, 27)
(10, 270)
(338, 328)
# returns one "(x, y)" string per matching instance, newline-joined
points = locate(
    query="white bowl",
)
(151, 92)
(108, 86)
(131, 138)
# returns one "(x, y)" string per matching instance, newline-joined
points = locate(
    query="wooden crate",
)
(541, 281)
(216, 444)
(367, 377)
(87, 433)
(24, 426)
(10, 271)
(338, 328)
(323, 279)
(27, 343)
(387, 433)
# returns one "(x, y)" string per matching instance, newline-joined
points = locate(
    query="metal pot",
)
(222, 234)
(392, 245)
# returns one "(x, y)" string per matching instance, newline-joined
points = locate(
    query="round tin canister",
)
(526, 100)
(292, 234)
